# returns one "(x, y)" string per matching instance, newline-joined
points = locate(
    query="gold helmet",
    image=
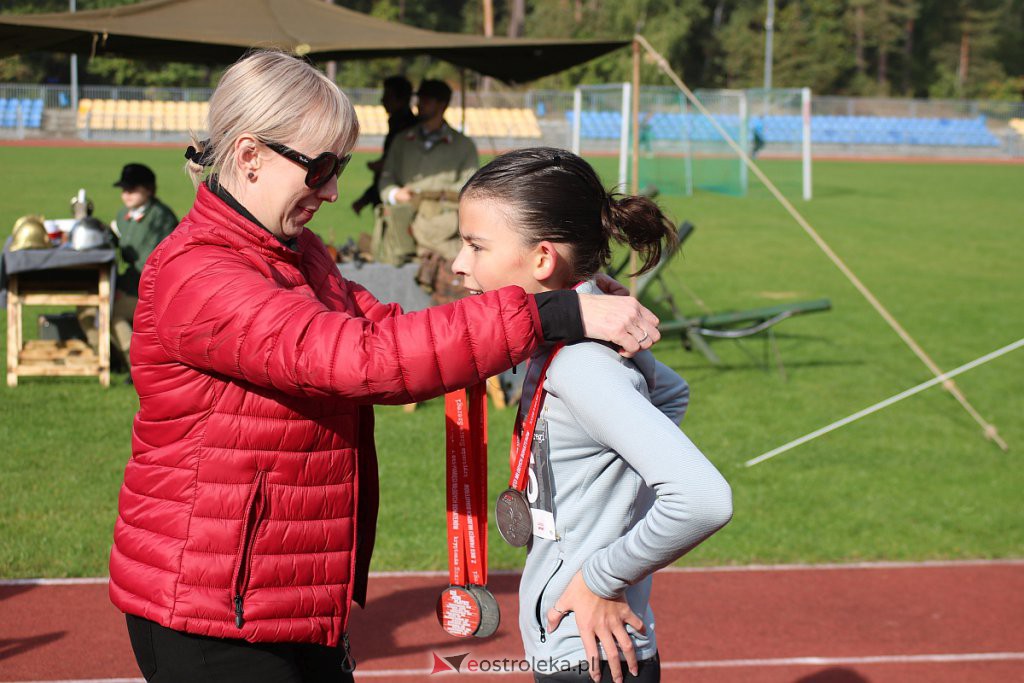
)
(30, 233)
(31, 218)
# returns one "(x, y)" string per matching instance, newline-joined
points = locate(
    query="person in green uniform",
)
(141, 224)
(423, 172)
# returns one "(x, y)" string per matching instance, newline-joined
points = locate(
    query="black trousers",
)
(648, 671)
(168, 656)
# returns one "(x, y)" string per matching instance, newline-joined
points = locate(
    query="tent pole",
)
(332, 66)
(634, 182)
(74, 72)
(462, 98)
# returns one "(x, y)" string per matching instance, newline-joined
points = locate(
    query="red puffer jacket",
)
(253, 469)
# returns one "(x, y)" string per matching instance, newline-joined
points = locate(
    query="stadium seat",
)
(25, 112)
(843, 130)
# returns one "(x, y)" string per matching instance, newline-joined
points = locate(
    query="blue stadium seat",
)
(838, 129)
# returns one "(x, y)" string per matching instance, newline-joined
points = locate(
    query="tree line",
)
(901, 48)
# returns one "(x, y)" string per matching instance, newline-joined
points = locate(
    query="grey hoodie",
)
(625, 491)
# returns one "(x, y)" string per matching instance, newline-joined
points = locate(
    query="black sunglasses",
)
(318, 170)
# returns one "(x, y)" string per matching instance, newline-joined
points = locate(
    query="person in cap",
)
(396, 101)
(423, 173)
(141, 224)
(248, 510)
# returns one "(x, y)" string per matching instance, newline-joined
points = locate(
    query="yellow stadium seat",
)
(501, 122)
(373, 119)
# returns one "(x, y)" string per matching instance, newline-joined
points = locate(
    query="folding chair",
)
(695, 331)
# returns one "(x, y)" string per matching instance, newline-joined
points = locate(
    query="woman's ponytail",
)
(199, 155)
(638, 222)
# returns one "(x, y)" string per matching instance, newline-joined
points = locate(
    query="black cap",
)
(435, 90)
(136, 175)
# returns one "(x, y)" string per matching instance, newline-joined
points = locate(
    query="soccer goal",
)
(682, 149)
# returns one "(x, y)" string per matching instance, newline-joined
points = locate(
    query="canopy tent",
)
(214, 31)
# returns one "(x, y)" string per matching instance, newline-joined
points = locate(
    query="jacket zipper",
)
(250, 527)
(348, 664)
(540, 599)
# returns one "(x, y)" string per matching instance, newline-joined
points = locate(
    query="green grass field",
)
(940, 245)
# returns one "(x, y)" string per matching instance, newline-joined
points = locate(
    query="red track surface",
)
(935, 623)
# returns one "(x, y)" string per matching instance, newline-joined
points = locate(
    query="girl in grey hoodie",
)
(616, 491)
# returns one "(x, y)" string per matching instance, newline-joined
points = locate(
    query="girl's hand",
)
(599, 620)
(620, 320)
(610, 285)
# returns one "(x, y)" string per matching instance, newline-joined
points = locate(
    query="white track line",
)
(927, 564)
(746, 663)
(967, 657)
(886, 403)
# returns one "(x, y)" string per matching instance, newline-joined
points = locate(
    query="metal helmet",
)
(30, 233)
(31, 218)
(89, 233)
(81, 206)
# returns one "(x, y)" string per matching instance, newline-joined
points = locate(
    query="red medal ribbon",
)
(466, 490)
(522, 436)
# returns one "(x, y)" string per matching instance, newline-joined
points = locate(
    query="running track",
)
(941, 622)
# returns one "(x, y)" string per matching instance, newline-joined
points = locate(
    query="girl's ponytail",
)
(554, 195)
(638, 222)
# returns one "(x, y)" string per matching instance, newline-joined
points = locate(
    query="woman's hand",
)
(599, 620)
(620, 320)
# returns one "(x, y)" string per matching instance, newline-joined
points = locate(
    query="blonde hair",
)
(276, 97)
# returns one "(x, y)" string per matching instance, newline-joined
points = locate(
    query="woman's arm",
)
(370, 306)
(219, 312)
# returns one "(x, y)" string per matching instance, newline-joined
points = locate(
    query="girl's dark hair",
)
(555, 195)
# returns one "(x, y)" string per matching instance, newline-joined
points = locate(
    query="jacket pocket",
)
(251, 519)
(541, 621)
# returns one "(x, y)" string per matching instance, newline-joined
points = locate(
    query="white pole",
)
(805, 108)
(744, 141)
(627, 94)
(687, 148)
(769, 35)
(577, 118)
(944, 377)
(74, 73)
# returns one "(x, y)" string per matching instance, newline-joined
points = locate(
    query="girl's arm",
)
(671, 393)
(693, 499)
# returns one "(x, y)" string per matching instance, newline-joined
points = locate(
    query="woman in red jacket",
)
(248, 509)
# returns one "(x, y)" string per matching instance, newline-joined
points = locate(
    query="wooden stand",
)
(78, 286)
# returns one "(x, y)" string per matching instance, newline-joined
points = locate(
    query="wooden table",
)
(84, 284)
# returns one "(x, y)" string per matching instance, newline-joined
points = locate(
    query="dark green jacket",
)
(139, 239)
